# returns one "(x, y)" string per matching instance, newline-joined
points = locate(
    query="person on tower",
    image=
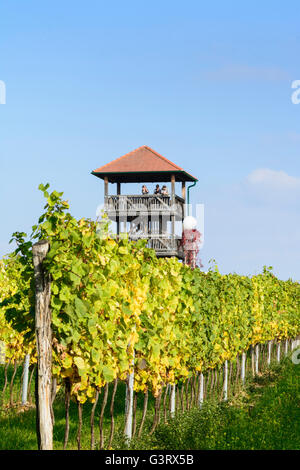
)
(164, 190)
(157, 189)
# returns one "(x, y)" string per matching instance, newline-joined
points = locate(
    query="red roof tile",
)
(141, 160)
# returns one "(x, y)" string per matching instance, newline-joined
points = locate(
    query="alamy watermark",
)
(2, 92)
(295, 97)
(150, 218)
(296, 356)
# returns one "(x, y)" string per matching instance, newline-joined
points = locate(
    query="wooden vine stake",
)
(243, 367)
(256, 358)
(286, 347)
(44, 347)
(252, 360)
(201, 391)
(129, 404)
(269, 352)
(172, 400)
(225, 383)
(278, 351)
(25, 379)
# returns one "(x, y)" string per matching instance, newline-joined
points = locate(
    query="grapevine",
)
(113, 298)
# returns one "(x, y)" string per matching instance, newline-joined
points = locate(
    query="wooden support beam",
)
(173, 204)
(118, 217)
(183, 195)
(173, 187)
(105, 186)
(43, 335)
(183, 191)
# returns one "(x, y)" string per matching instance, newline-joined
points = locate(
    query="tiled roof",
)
(141, 159)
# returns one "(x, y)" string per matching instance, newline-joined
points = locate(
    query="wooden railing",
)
(148, 216)
(163, 244)
(143, 204)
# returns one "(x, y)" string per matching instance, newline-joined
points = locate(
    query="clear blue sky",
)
(206, 84)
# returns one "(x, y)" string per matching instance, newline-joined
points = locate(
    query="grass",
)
(17, 423)
(263, 415)
(266, 416)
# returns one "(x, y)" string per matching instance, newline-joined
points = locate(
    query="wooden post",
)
(201, 391)
(269, 352)
(44, 347)
(183, 190)
(173, 205)
(118, 216)
(243, 367)
(172, 400)
(286, 347)
(129, 404)
(105, 186)
(252, 360)
(25, 379)
(183, 195)
(256, 358)
(278, 351)
(225, 383)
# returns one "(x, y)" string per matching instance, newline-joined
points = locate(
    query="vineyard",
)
(123, 318)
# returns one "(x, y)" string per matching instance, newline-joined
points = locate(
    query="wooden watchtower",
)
(148, 216)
